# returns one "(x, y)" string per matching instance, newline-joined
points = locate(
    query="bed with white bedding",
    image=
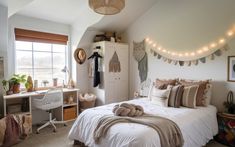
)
(198, 126)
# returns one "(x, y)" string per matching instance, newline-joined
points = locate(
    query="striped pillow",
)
(175, 95)
(189, 96)
(201, 89)
(159, 97)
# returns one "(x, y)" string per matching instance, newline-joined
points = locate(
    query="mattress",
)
(198, 126)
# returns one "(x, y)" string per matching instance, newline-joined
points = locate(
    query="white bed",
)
(198, 126)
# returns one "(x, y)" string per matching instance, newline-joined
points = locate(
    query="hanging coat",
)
(96, 79)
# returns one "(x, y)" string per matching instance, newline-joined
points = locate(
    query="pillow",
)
(175, 95)
(189, 96)
(159, 96)
(201, 89)
(162, 84)
(207, 94)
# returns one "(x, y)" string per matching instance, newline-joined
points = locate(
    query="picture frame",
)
(231, 69)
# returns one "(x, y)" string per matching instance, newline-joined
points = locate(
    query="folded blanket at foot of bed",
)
(169, 133)
(126, 109)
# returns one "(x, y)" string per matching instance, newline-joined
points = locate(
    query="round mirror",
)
(80, 55)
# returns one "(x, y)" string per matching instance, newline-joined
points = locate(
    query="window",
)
(43, 60)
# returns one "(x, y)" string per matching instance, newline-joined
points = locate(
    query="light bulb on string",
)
(230, 33)
(192, 54)
(213, 45)
(222, 40)
(199, 51)
(205, 48)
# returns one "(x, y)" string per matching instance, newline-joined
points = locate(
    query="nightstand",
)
(226, 133)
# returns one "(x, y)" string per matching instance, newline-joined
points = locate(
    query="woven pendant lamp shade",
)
(107, 7)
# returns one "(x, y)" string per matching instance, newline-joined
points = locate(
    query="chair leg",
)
(53, 126)
(43, 126)
(51, 122)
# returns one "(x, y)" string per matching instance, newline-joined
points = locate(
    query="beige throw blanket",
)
(169, 133)
(126, 109)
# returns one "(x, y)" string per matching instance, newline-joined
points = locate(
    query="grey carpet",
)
(47, 138)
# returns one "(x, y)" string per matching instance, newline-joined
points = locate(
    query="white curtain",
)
(11, 63)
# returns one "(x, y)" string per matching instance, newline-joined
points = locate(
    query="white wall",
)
(3, 47)
(185, 25)
(82, 69)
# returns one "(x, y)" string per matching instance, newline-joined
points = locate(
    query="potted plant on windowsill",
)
(12, 86)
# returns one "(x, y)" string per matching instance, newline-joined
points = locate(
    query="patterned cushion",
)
(159, 96)
(200, 94)
(162, 84)
(189, 96)
(175, 95)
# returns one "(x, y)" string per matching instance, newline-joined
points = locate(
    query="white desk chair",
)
(52, 99)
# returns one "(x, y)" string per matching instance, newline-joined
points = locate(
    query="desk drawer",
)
(70, 113)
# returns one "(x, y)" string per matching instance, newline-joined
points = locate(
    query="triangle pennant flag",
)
(195, 62)
(159, 56)
(155, 53)
(218, 53)
(181, 63)
(203, 60)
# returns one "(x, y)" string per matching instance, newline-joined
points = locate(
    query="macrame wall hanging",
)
(141, 57)
(114, 63)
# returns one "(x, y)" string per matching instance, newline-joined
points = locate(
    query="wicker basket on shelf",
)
(86, 101)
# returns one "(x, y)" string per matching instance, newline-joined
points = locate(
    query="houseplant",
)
(12, 85)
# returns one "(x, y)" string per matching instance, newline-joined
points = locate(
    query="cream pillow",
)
(208, 94)
(159, 97)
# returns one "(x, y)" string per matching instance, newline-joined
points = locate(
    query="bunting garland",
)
(190, 62)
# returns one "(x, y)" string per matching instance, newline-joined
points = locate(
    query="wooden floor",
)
(47, 138)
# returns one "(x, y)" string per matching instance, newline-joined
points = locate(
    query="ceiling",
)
(62, 11)
(133, 10)
(69, 12)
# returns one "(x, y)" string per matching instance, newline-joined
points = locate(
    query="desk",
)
(23, 102)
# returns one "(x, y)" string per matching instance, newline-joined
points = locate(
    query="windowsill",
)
(43, 88)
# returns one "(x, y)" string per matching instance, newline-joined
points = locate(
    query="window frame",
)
(66, 56)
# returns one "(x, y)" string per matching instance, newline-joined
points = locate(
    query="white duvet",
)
(198, 126)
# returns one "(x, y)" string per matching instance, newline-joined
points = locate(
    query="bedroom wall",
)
(3, 47)
(185, 24)
(83, 82)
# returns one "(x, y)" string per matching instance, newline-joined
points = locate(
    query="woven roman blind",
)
(35, 36)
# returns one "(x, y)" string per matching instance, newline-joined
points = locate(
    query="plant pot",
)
(16, 88)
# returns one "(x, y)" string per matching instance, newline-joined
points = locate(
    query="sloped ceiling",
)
(73, 11)
(132, 11)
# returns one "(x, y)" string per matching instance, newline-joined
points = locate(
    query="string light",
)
(230, 33)
(192, 54)
(213, 45)
(206, 48)
(199, 51)
(221, 41)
